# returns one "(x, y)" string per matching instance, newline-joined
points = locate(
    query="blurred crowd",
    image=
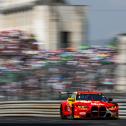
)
(27, 73)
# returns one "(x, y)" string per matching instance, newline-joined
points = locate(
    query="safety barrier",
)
(43, 108)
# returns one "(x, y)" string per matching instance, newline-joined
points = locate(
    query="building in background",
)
(55, 23)
(121, 69)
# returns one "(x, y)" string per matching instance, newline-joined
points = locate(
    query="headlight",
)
(112, 107)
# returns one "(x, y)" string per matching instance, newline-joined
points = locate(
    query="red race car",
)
(88, 105)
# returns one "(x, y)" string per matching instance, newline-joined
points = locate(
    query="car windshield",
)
(90, 97)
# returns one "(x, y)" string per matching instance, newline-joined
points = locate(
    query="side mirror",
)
(71, 99)
(110, 99)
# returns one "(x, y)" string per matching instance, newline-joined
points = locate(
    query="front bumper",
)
(96, 115)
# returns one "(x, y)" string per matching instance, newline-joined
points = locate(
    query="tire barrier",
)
(43, 108)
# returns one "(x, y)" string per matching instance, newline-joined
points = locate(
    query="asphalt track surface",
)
(58, 122)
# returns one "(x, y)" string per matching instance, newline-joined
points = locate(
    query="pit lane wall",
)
(44, 108)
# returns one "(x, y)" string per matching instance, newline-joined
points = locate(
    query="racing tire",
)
(72, 115)
(61, 113)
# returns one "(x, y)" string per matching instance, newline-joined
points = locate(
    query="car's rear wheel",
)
(61, 113)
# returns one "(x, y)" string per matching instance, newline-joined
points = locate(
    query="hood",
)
(94, 103)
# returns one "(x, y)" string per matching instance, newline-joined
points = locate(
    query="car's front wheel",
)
(72, 115)
(61, 113)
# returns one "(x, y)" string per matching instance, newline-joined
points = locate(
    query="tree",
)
(113, 43)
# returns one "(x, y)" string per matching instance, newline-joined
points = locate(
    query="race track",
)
(58, 122)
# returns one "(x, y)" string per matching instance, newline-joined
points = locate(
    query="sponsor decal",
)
(97, 104)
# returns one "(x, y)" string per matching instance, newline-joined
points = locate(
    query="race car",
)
(88, 105)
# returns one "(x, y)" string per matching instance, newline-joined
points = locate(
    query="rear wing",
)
(64, 95)
(66, 92)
